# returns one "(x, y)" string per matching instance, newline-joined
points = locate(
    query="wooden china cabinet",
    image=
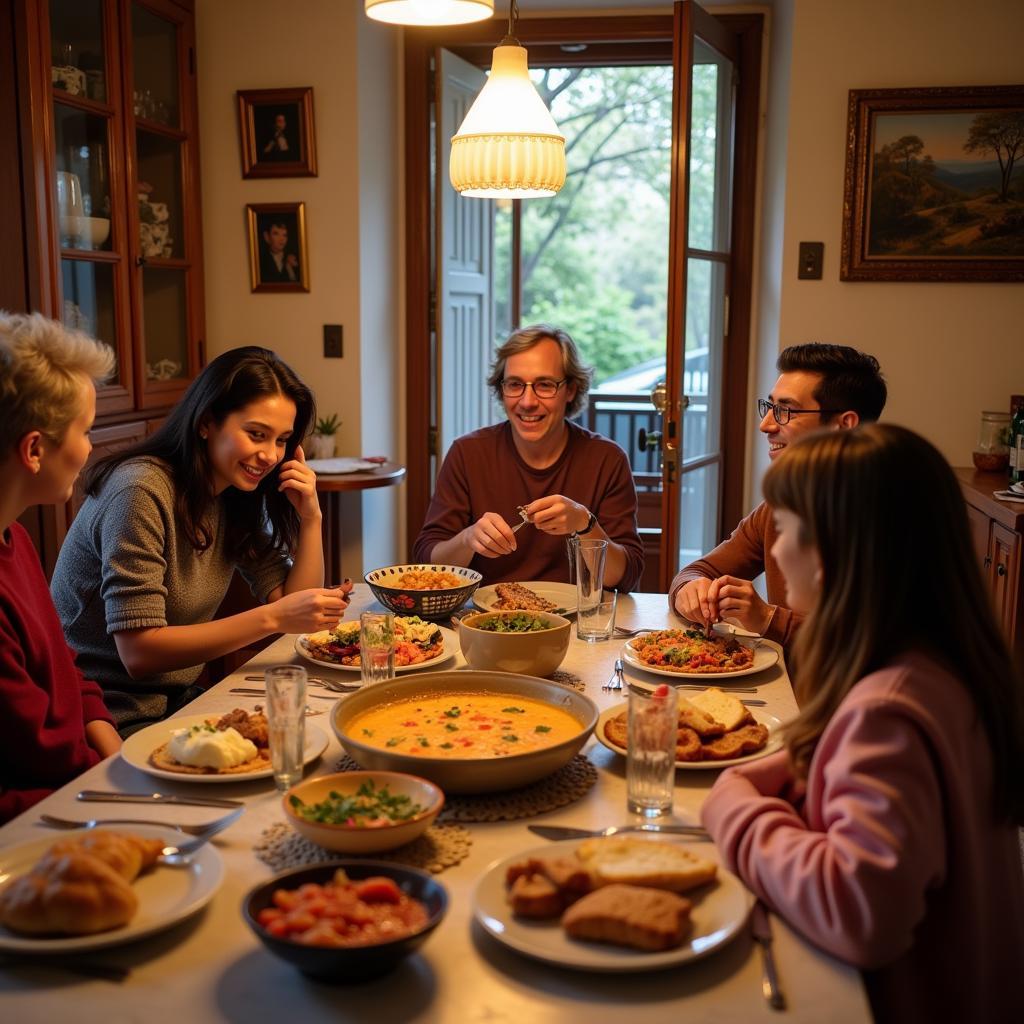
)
(109, 201)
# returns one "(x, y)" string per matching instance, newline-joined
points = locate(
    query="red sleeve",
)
(449, 509)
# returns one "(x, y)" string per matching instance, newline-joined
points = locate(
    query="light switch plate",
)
(812, 259)
(333, 348)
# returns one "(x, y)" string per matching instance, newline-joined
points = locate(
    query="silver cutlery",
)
(253, 692)
(761, 927)
(566, 832)
(616, 681)
(722, 686)
(330, 684)
(91, 795)
(209, 829)
(525, 519)
(622, 633)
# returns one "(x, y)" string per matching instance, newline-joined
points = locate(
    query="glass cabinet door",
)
(161, 138)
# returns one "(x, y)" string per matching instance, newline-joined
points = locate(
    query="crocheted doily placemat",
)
(441, 846)
(563, 787)
(570, 679)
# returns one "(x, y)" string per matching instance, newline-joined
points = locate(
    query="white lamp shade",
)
(429, 12)
(508, 144)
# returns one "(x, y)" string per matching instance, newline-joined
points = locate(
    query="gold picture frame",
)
(278, 256)
(277, 133)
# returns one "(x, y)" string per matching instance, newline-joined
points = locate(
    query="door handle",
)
(648, 440)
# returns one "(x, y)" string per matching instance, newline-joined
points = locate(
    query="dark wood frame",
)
(252, 166)
(857, 264)
(640, 39)
(253, 212)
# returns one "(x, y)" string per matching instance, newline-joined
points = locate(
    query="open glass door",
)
(698, 301)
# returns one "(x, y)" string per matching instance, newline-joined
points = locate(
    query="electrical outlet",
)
(332, 341)
(812, 258)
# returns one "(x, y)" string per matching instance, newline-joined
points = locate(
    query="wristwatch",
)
(591, 523)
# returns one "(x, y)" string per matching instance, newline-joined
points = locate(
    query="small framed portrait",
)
(277, 247)
(934, 189)
(278, 139)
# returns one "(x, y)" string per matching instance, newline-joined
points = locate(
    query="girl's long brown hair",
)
(885, 513)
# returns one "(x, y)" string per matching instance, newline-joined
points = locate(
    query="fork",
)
(615, 683)
(330, 684)
(209, 829)
(623, 633)
(524, 517)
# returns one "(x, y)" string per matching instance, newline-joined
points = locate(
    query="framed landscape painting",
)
(934, 185)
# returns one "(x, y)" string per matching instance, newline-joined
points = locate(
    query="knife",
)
(252, 692)
(94, 795)
(761, 927)
(565, 832)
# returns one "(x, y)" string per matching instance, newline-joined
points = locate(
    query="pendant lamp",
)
(429, 12)
(509, 145)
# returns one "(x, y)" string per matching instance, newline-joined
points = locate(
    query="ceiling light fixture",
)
(429, 12)
(509, 145)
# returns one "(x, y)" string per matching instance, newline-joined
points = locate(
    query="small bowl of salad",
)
(529, 643)
(362, 812)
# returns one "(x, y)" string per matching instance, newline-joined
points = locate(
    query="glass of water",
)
(377, 647)
(286, 721)
(651, 749)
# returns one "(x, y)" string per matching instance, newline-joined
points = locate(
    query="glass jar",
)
(992, 452)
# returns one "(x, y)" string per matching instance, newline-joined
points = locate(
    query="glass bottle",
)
(992, 452)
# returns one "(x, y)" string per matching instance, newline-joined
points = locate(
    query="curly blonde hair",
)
(42, 366)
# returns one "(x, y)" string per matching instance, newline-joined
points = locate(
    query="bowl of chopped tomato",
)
(362, 812)
(349, 921)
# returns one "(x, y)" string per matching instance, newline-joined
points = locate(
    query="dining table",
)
(211, 967)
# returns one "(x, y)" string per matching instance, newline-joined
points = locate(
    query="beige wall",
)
(948, 350)
(351, 65)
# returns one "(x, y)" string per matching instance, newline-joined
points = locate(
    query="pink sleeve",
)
(852, 874)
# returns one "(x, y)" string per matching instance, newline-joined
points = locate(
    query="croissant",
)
(69, 893)
(128, 855)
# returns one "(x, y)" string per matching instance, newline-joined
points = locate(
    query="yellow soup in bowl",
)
(463, 725)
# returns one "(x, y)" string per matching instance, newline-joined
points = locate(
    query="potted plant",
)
(321, 442)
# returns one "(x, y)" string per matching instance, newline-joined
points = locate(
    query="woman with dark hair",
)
(886, 831)
(222, 485)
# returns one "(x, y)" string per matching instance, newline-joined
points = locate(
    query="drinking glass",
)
(286, 721)
(651, 749)
(590, 558)
(597, 623)
(377, 647)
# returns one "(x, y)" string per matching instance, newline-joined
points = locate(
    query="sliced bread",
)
(628, 915)
(650, 862)
(726, 708)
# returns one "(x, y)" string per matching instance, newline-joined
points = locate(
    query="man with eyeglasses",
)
(568, 480)
(820, 387)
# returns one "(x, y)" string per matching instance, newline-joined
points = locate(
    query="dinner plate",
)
(719, 912)
(765, 655)
(166, 895)
(451, 648)
(137, 748)
(561, 594)
(774, 740)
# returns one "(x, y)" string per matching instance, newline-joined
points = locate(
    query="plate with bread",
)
(716, 730)
(93, 888)
(539, 596)
(689, 654)
(233, 747)
(613, 903)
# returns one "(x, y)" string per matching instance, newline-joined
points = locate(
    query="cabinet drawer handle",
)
(1000, 569)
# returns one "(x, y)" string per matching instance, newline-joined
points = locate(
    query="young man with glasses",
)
(820, 387)
(568, 480)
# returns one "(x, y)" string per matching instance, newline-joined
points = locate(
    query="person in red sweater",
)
(820, 387)
(53, 722)
(569, 481)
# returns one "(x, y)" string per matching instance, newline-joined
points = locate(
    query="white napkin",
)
(335, 467)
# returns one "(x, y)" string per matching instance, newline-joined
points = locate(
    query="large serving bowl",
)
(536, 653)
(347, 963)
(360, 839)
(428, 604)
(467, 775)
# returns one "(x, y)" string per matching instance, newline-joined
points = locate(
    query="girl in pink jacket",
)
(886, 831)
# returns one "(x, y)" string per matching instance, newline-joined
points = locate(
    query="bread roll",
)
(128, 855)
(645, 862)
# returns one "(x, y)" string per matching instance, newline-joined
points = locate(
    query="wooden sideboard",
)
(997, 530)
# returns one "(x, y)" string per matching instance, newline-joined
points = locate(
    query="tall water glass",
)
(286, 720)
(651, 749)
(377, 647)
(590, 558)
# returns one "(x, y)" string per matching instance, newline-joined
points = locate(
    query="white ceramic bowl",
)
(467, 775)
(85, 232)
(353, 839)
(536, 653)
